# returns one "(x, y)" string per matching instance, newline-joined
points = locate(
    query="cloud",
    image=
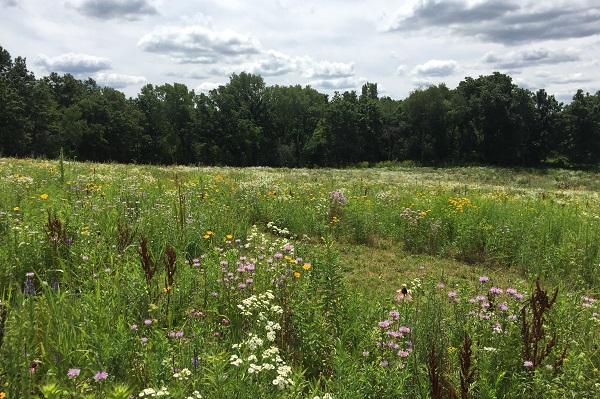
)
(73, 63)
(117, 9)
(335, 84)
(326, 69)
(271, 63)
(117, 81)
(560, 78)
(8, 3)
(435, 68)
(499, 21)
(192, 74)
(531, 57)
(197, 44)
(207, 86)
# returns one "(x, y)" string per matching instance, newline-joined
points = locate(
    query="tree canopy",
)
(485, 120)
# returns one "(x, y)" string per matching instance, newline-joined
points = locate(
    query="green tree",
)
(425, 129)
(16, 87)
(371, 124)
(294, 112)
(582, 126)
(240, 116)
(544, 139)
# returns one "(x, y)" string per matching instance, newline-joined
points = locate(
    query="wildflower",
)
(403, 353)
(144, 340)
(528, 363)
(403, 294)
(385, 323)
(452, 294)
(296, 274)
(484, 279)
(85, 257)
(101, 375)
(134, 326)
(147, 322)
(495, 290)
(16, 208)
(73, 372)
(44, 196)
(306, 266)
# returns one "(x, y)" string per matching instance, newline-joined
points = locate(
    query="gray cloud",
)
(531, 57)
(435, 68)
(559, 78)
(73, 63)
(8, 3)
(117, 9)
(197, 44)
(118, 81)
(500, 21)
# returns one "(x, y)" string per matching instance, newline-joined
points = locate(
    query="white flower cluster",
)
(271, 328)
(277, 231)
(260, 242)
(195, 395)
(252, 350)
(152, 393)
(183, 374)
(261, 303)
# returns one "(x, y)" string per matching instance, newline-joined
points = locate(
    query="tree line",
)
(484, 120)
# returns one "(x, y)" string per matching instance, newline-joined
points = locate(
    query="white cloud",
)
(436, 68)
(326, 69)
(531, 57)
(336, 84)
(207, 86)
(197, 44)
(118, 81)
(73, 63)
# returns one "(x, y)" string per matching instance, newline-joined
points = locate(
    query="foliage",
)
(485, 120)
(221, 282)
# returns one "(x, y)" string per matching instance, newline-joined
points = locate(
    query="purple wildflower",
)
(101, 375)
(73, 372)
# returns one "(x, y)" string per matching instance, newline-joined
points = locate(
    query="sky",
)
(330, 45)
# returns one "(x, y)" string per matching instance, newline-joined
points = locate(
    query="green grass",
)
(257, 282)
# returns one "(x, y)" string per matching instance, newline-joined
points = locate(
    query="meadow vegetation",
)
(178, 282)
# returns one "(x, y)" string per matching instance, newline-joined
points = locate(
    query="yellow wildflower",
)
(44, 196)
(16, 208)
(306, 266)
(296, 274)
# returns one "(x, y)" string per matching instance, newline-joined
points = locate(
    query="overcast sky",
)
(327, 44)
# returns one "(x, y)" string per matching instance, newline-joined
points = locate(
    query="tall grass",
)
(219, 283)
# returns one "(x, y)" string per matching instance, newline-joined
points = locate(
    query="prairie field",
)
(123, 281)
